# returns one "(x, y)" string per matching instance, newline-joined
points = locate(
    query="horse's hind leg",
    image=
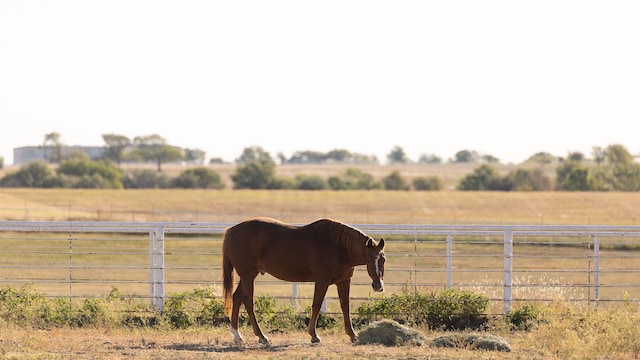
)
(247, 288)
(319, 292)
(238, 297)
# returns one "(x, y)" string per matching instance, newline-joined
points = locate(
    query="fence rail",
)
(509, 263)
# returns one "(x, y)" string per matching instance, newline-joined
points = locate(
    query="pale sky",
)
(505, 78)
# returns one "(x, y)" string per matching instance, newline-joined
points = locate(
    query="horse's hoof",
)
(264, 341)
(354, 339)
(316, 340)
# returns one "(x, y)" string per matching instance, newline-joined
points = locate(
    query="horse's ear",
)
(369, 243)
(381, 243)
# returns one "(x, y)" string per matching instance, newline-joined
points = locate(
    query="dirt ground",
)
(18, 343)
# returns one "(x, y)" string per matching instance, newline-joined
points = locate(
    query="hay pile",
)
(473, 342)
(390, 333)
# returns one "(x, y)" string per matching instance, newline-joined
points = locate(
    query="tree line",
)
(613, 169)
(155, 149)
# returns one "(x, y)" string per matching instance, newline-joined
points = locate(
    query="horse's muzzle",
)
(378, 286)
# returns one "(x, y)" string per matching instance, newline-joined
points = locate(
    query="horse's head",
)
(375, 263)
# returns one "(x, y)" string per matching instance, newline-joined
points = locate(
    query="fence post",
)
(508, 269)
(596, 269)
(152, 268)
(449, 261)
(157, 268)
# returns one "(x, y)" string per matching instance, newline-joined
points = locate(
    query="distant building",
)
(26, 154)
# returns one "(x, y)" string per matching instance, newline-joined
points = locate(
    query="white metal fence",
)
(509, 263)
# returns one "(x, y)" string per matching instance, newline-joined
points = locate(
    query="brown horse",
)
(324, 252)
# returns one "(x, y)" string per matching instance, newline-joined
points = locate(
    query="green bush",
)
(524, 317)
(35, 174)
(91, 174)
(310, 182)
(198, 178)
(448, 309)
(146, 179)
(395, 181)
(353, 179)
(427, 183)
(198, 307)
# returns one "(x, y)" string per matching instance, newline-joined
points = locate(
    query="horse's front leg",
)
(319, 293)
(343, 293)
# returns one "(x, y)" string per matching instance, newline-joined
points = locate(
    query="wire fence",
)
(152, 260)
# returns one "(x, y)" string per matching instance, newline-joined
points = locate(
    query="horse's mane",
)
(345, 236)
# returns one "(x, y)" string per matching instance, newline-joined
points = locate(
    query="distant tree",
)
(216, 160)
(155, 148)
(395, 181)
(598, 154)
(307, 157)
(333, 156)
(86, 173)
(427, 183)
(489, 159)
(256, 170)
(542, 158)
(397, 156)
(75, 154)
(35, 174)
(253, 153)
(283, 183)
(339, 155)
(574, 176)
(575, 156)
(526, 180)
(429, 159)
(310, 182)
(617, 155)
(1, 162)
(114, 147)
(53, 147)
(281, 158)
(619, 171)
(353, 179)
(194, 156)
(198, 178)
(253, 175)
(146, 179)
(465, 156)
(484, 177)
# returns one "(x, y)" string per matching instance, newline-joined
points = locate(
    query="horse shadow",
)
(231, 347)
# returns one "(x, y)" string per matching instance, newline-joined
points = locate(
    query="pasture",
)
(195, 260)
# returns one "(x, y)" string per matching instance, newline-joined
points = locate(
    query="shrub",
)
(427, 183)
(35, 174)
(395, 181)
(146, 179)
(353, 179)
(448, 309)
(524, 317)
(310, 182)
(91, 174)
(198, 307)
(198, 178)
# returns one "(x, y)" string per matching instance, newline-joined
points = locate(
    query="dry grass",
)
(407, 207)
(568, 332)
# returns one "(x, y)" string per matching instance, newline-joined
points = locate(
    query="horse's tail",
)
(227, 278)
